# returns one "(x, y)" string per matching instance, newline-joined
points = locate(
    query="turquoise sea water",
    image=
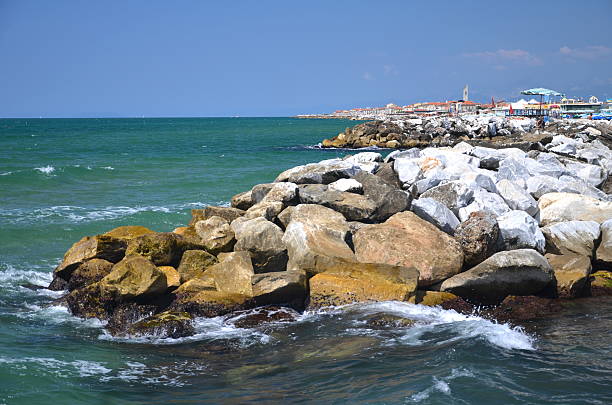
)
(61, 179)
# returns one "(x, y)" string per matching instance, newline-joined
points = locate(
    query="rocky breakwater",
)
(476, 129)
(439, 226)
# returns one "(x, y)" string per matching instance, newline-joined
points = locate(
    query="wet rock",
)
(600, 283)
(194, 263)
(264, 316)
(571, 272)
(135, 277)
(233, 274)
(354, 207)
(362, 282)
(242, 201)
(603, 254)
(515, 309)
(407, 240)
(227, 213)
(263, 240)
(164, 325)
(435, 213)
(434, 298)
(90, 247)
(89, 272)
(127, 314)
(454, 195)
(572, 237)
(216, 235)
(280, 287)
(518, 230)
(384, 321)
(563, 207)
(478, 237)
(163, 249)
(516, 197)
(210, 304)
(92, 302)
(387, 199)
(516, 272)
(58, 284)
(319, 173)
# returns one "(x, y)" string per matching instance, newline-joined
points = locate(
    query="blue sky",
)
(278, 58)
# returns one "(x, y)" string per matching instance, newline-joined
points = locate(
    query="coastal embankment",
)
(509, 233)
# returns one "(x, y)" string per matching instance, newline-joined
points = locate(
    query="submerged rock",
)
(264, 316)
(164, 325)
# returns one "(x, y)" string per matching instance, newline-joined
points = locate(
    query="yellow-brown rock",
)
(227, 213)
(135, 277)
(434, 298)
(194, 263)
(163, 249)
(347, 282)
(571, 272)
(173, 278)
(129, 232)
(90, 247)
(211, 303)
(233, 275)
(89, 272)
(215, 234)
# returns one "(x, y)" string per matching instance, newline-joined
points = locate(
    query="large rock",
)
(408, 170)
(194, 263)
(282, 192)
(242, 201)
(517, 272)
(128, 232)
(347, 185)
(209, 303)
(173, 277)
(313, 213)
(265, 209)
(90, 247)
(407, 240)
(518, 230)
(362, 282)
(315, 238)
(89, 272)
(216, 234)
(600, 283)
(233, 274)
(571, 272)
(537, 186)
(366, 161)
(516, 197)
(454, 195)
(436, 213)
(388, 175)
(163, 249)
(484, 201)
(592, 174)
(572, 237)
(281, 287)
(478, 237)
(563, 207)
(227, 213)
(135, 277)
(388, 199)
(603, 255)
(163, 325)
(354, 207)
(490, 158)
(263, 240)
(319, 173)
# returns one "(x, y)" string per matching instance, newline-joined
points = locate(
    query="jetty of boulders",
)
(512, 231)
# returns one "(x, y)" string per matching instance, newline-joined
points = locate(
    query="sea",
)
(61, 179)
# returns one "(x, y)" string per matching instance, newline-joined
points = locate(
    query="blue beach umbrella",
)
(540, 91)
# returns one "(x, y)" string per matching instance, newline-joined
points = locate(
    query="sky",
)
(280, 58)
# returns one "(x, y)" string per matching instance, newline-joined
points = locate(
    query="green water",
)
(62, 179)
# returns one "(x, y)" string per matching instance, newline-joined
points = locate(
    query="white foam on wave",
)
(5, 173)
(77, 214)
(12, 277)
(207, 329)
(60, 368)
(107, 168)
(441, 385)
(430, 319)
(45, 169)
